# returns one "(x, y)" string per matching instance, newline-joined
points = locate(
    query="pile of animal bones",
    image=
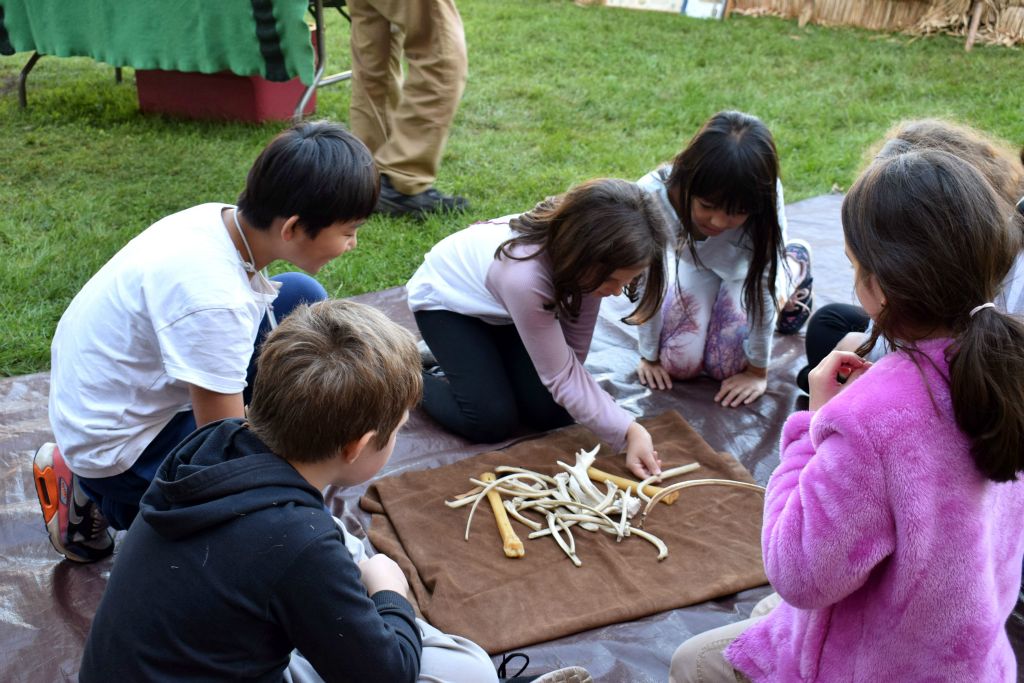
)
(572, 499)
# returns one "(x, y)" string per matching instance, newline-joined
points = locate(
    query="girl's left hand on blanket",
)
(641, 458)
(742, 388)
(837, 371)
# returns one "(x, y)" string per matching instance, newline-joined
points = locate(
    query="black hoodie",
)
(232, 563)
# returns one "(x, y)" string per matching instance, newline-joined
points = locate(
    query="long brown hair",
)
(938, 241)
(732, 164)
(588, 233)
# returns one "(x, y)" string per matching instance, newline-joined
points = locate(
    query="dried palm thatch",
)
(1008, 26)
(945, 16)
(1001, 21)
(871, 14)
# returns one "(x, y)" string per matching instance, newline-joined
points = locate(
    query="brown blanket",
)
(472, 589)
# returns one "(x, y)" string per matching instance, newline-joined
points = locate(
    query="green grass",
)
(557, 94)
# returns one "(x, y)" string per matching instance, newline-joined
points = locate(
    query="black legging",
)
(827, 328)
(492, 386)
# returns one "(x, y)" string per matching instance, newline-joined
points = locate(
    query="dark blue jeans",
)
(119, 496)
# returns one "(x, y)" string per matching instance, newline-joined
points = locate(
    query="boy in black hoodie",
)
(233, 562)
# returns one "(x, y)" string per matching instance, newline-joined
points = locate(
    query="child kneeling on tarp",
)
(233, 566)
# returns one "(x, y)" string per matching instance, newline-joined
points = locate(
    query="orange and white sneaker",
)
(76, 526)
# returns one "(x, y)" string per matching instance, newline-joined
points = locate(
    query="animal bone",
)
(648, 536)
(510, 507)
(570, 499)
(623, 483)
(480, 496)
(561, 543)
(666, 474)
(694, 482)
(510, 543)
(583, 486)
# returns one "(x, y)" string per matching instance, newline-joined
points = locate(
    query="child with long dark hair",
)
(892, 525)
(508, 308)
(845, 326)
(723, 195)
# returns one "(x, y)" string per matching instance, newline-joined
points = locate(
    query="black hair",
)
(732, 164)
(315, 170)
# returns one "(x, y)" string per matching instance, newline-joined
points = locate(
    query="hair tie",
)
(978, 308)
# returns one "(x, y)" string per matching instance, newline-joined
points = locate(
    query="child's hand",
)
(641, 458)
(742, 388)
(381, 573)
(837, 371)
(653, 374)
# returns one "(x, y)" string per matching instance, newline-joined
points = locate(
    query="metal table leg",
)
(22, 98)
(321, 62)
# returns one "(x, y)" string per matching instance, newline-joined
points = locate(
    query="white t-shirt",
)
(174, 307)
(453, 276)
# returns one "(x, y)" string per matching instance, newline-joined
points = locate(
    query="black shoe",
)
(419, 206)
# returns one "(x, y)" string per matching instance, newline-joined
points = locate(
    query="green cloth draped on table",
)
(268, 38)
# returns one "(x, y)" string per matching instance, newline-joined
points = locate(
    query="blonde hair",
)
(330, 373)
(993, 157)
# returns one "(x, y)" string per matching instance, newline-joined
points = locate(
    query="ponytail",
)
(937, 241)
(986, 378)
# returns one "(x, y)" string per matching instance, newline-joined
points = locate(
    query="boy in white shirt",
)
(160, 341)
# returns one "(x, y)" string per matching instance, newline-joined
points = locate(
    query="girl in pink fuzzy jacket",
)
(894, 524)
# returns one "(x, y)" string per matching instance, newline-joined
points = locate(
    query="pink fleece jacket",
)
(895, 558)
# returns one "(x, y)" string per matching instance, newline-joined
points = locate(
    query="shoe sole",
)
(573, 674)
(48, 489)
(806, 246)
(806, 282)
(52, 489)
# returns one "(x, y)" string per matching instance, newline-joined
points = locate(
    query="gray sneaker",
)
(419, 206)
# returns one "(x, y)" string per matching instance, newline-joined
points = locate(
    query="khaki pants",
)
(700, 659)
(405, 123)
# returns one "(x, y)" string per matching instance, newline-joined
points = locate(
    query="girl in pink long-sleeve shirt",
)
(508, 308)
(892, 527)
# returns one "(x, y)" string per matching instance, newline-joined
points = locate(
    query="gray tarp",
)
(46, 605)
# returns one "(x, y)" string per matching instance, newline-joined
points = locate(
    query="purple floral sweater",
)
(896, 559)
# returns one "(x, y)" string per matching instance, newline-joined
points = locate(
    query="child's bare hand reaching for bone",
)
(641, 458)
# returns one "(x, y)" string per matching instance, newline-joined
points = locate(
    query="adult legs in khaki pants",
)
(405, 123)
